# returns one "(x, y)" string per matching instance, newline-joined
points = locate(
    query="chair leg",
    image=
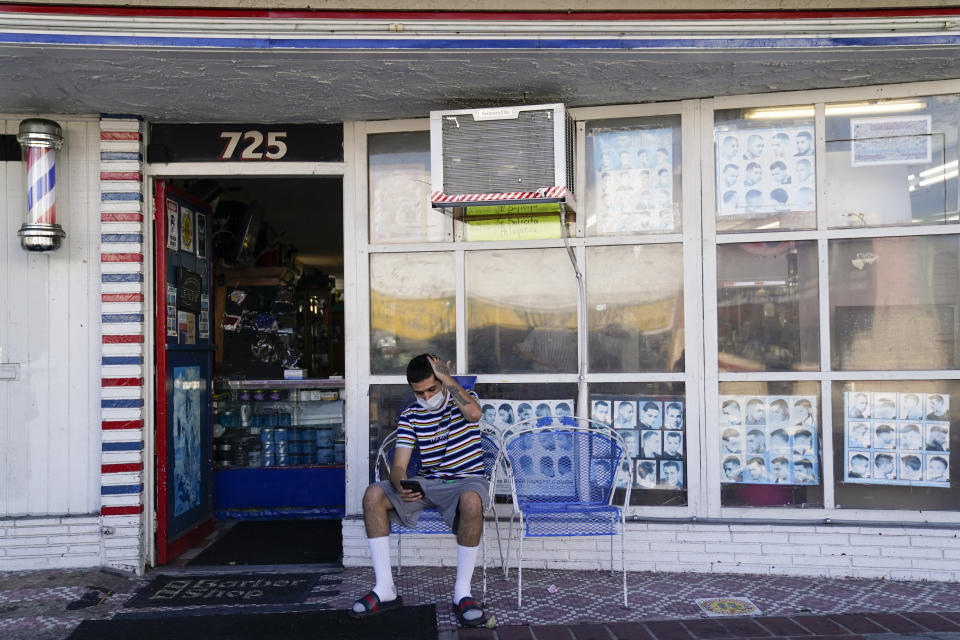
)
(483, 541)
(496, 523)
(623, 563)
(611, 550)
(506, 565)
(520, 568)
(399, 553)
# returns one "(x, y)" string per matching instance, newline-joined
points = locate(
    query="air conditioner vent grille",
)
(501, 155)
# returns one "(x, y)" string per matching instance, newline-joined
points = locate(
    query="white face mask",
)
(438, 400)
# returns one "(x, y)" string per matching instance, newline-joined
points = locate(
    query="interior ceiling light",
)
(844, 109)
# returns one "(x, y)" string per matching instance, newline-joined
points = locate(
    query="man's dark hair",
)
(419, 369)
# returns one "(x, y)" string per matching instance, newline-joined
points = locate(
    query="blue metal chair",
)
(563, 475)
(431, 520)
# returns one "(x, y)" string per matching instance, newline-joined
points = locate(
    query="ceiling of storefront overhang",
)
(199, 85)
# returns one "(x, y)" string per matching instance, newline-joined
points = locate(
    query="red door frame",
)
(167, 550)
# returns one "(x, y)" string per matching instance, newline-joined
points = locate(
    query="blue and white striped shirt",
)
(449, 445)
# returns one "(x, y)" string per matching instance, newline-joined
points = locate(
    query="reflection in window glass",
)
(399, 174)
(521, 312)
(765, 169)
(767, 306)
(652, 420)
(386, 403)
(892, 162)
(412, 309)
(892, 443)
(635, 321)
(894, 303)
(770, 453)
(633, 176)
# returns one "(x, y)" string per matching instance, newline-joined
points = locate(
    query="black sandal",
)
(372, 606)
(468, 604)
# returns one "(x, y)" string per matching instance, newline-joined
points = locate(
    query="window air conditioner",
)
(502, 156)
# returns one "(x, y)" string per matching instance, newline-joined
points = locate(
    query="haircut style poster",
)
(550, 468)
(653, 431)
(763, 171)
(769, 440)
(896, 438)
(633, 188)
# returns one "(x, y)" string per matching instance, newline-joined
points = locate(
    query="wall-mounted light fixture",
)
(39, 139)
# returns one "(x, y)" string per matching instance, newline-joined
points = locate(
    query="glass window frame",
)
(823, 234)
(700, 238)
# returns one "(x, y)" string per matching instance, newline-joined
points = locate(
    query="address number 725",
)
(252, 147)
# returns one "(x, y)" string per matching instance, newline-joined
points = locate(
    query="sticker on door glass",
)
(173, 226)
(187, 232)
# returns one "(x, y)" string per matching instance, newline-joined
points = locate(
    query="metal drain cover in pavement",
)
(727, 606)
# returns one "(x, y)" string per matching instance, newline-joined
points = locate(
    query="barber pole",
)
(40, 140)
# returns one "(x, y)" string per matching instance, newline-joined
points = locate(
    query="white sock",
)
(466, 561)
(380, 555)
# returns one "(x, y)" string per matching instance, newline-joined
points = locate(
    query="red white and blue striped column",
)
(122, 320)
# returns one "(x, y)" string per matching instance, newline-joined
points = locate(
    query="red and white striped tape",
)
(439, 197)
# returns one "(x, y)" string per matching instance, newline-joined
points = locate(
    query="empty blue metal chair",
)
(430, 520)
(563, 476)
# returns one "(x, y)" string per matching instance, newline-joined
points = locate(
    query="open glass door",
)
(184, 371)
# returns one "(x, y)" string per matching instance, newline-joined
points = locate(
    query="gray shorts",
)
(442, 495)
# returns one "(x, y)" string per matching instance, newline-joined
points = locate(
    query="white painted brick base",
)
(70, 542)
(830, 551)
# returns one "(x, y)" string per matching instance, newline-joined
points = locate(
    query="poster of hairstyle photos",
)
(769, 440)
(633, 181)
(505, 414)
(653, 430)
(765, 171)
(897, 438)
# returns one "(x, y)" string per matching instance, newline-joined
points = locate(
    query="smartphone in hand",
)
(412, 485)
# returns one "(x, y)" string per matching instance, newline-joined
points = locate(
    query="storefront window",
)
(892, 442)
(521, 312)
(386, 403)
(892, 162)
(894, 303)
(767, 309)
(652, 420)
(399, 174)
(765, 169)
(633, 176)
(770, 453)
(412, 308)
(635, 308)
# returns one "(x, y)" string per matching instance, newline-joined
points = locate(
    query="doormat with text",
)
(226, 589)
(727, 606)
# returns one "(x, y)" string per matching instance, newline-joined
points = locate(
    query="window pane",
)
(386, 403)
(767, 311)
(521, 312)
(652, 419)
(765, 169)
(412, 309)
(635, 308)
(892, 443)
(399, 173)
(893, 303)
(892, 162)
(770, 444)
(633, 176)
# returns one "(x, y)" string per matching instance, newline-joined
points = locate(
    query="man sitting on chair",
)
(442, 423)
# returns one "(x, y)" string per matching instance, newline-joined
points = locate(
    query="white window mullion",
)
(710, 390)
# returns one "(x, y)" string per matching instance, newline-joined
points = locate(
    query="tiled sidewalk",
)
(869, 626)
(568, 605)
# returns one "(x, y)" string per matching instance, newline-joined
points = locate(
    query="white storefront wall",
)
(54, 421)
